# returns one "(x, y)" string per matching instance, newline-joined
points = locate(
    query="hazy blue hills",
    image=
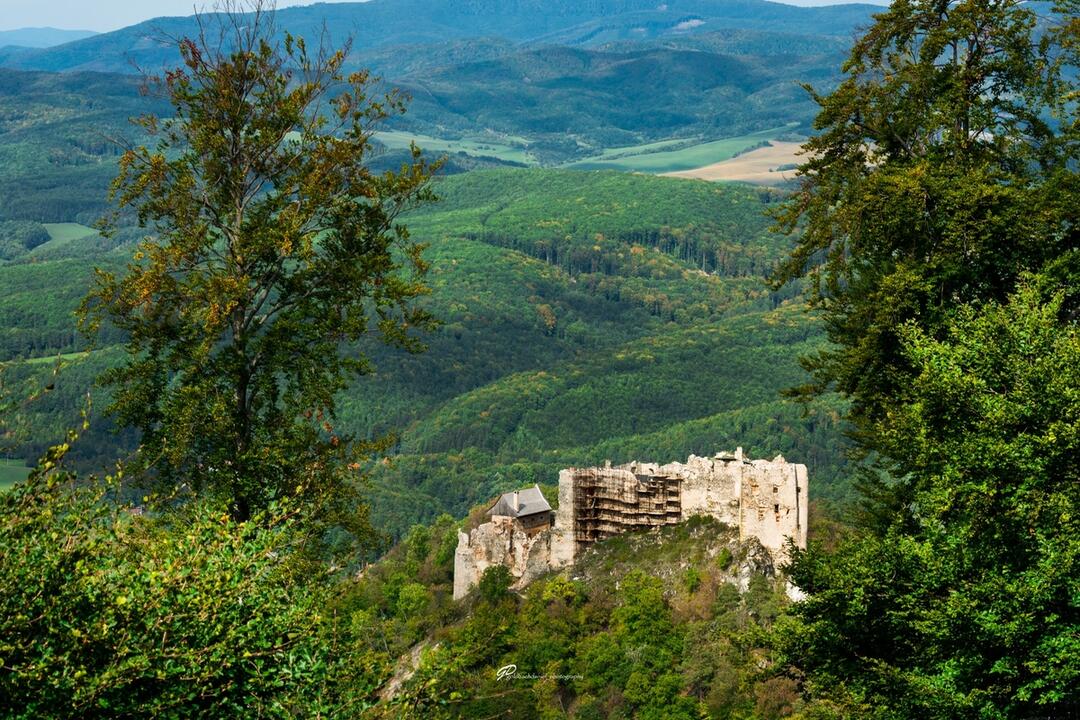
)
(512, 81)
(612, 98)
(383, 23)
(734, 41)
(41, 37)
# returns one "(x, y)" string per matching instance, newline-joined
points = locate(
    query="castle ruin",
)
(764, 499)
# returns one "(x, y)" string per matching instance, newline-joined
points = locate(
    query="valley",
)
(773, 164)
(505, 149)
(581, 290)
(574, 309)
(682, 159)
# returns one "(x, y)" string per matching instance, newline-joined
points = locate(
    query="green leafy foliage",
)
(940, 204)
(108, 612)
(966, 603)
(274, 246)
(936, 180)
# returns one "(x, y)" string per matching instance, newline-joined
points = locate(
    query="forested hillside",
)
(611, 98)
(595, 295)
(585, 317)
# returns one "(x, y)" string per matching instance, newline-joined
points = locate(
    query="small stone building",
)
(517, 535)
(764, 499)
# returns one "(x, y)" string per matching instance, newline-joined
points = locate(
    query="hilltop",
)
(662, 624)
(41, 37)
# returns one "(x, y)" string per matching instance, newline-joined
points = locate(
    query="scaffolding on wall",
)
(609, 502)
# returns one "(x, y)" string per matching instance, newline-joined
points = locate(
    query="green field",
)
(652, 158)
(506, 148)
(67, 232)
(63, 234)
(644, 149)
(11, 472)
(657, 157)
(63, 358)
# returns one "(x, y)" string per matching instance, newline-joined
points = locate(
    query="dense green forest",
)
(585, 316)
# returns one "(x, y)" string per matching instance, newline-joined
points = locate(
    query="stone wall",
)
(526, 552)
(763, 499)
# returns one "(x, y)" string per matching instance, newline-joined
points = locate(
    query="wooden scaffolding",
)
(609, 502)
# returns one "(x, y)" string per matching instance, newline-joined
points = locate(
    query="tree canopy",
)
(274, 247)
(944, 169)
(939, 205)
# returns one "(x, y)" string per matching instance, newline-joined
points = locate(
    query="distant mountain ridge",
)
(384, 23)
(614, 98)
(41, 37)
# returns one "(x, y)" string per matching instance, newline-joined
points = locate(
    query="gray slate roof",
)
(521, 503)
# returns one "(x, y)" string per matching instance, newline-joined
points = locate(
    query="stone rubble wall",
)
(765, 499)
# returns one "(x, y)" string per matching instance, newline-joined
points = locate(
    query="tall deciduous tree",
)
(275, 248)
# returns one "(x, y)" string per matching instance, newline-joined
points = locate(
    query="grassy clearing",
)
(668, 161)
(632, 150)
(63, 358)
(504, 149)
(68, 232)
(11, 472)
(61, 234)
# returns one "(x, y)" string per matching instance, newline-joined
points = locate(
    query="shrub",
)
(106, 612)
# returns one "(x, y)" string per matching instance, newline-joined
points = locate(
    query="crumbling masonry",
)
(764, 499)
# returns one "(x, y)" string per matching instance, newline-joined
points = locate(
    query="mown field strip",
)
(11, 472)
(764, 166)
(396, 140)
(668, 161)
